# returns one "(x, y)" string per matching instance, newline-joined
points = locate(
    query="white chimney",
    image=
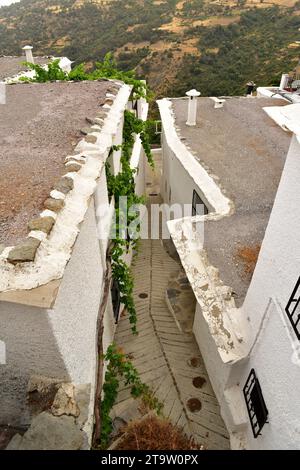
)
(28, 54)
(192, 110)
(284, 81)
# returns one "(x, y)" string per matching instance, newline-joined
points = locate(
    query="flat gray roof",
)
(11, 66)
(39, 127)
(244, 148)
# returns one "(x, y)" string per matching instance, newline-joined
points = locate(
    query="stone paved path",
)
(168, 360)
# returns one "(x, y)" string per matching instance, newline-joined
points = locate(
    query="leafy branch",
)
(119, 366)
(103, 70)
(123, 185)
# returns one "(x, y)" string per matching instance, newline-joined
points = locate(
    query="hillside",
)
(214, 46)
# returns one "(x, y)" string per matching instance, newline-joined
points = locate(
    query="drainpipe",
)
(28, 54)
(192, 109)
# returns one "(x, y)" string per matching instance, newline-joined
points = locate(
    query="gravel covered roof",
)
(39, 126)
(11, 66)
(244, 151)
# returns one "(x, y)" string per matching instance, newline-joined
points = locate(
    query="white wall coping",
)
(224, 320)
(221, 204)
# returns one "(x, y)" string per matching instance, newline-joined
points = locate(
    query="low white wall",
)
(176, 184)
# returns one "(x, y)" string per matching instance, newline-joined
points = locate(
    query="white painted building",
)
(58, 309)
(241, 161)
(289, 87)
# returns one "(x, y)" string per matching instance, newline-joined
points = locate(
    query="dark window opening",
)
(197, 205)
(257, 410)
(293, 309)
(116, 299)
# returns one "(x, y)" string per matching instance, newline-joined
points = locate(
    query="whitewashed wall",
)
(58, 342)
(270, 342)
(176, 184)
(275, 276)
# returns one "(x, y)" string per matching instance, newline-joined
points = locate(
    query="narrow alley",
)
(167, 357)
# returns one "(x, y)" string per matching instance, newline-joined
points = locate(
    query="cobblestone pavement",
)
(167, 359)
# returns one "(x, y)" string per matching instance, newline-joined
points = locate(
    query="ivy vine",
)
(123, 185)
(119, 366)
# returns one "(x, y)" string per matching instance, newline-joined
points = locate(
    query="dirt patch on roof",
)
(248, 255)
(39, 126)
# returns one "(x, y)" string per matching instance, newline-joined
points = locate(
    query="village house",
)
(58, 303)
(289, 87)
(14, 68)
(236, 161)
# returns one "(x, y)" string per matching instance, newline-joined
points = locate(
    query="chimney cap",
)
(193, 93)
(27, 48)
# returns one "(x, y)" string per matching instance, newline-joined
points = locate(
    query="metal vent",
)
(257, 410)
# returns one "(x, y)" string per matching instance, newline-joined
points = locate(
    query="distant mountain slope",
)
(215, 46)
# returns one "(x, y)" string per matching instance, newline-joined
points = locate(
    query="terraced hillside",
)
(216, 46)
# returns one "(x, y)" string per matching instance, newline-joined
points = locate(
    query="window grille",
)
(293, 309)
(197, 201)
(257, 410)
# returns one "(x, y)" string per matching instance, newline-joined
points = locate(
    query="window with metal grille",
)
(197, 205)
(257, 410)
(116, 299)
(293, 309)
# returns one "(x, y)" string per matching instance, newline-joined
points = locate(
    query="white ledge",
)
(217, 304)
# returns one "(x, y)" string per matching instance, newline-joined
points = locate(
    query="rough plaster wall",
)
(178, 179)
(275, 276)
(218, 371)
(140, 182)
(116, 155)
(279, 378)
(58, 342)
(277, 269)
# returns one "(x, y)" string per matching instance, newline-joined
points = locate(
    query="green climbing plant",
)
(123, 185)
(119, 366)
(107, 69)
(52, 73)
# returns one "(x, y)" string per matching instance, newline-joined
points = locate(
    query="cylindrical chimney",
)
(192, 108)
(284, 81)
(250, 88)
(28, 54)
